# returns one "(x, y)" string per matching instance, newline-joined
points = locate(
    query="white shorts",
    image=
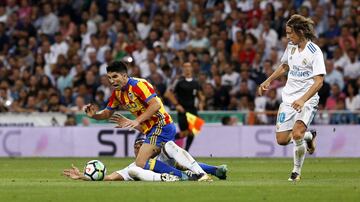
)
(287, 116)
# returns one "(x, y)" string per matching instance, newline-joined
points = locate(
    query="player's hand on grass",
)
(263, 87)
(73, 173)
(90, 110)
(298, 105)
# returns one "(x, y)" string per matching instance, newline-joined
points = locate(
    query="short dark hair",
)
(117, 66)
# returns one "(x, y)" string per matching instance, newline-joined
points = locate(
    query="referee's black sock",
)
(189, 141)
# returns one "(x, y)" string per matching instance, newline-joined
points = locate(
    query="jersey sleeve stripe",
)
(311, 48)
(151, 96)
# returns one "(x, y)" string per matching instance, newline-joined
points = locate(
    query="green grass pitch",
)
(249, 179)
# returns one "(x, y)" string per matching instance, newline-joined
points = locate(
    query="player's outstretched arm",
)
(114, 177)
(91, 111)
(75, 174)
(282, 69)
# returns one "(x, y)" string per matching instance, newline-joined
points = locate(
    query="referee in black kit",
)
(184, 95)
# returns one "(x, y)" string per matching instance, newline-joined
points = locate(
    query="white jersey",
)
(161, 157)
(303, 66)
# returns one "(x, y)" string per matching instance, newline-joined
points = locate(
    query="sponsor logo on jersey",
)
(304, 74)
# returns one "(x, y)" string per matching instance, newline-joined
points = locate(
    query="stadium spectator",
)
(352, 68)
(49, 22)
(335, 95)
(41, 37)
(333, 76)
(352, 100)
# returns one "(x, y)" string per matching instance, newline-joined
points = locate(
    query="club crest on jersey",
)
(304, 62)
(293, 50)
(131, 96)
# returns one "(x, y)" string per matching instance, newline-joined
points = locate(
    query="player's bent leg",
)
(145, 153)
(183, 158)
(283, 138)
(143, 161)
(147, 175)
(299, 149)
(155, 140)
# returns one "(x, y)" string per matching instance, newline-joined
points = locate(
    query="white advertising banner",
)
(260, 141)
(32, 119)
(215, 141)
(66, 141)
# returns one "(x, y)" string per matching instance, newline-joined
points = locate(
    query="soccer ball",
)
(95, 170)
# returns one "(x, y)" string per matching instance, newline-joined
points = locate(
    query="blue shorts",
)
(159, 135)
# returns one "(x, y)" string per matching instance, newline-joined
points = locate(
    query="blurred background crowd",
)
(53, 54)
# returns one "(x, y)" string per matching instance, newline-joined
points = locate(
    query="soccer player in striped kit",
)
(138, 96)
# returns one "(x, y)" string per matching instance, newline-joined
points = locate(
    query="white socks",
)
(299, 155)
(144, 175)
(308, 136)
(182, 157)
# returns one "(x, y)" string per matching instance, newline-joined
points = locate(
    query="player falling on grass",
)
(132, 172)
(139, 97)
(304, 63)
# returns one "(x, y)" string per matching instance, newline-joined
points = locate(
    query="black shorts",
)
(183, 124)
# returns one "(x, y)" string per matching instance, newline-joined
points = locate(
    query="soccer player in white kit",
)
(304, 64)
(133, 172)
(129, 173)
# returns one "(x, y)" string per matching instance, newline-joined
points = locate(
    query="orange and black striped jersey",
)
(135, 97)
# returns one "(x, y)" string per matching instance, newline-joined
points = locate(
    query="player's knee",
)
(170, 147)
(297, 135)
(282, 142)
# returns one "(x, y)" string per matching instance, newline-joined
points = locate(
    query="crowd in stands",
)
(53, 54)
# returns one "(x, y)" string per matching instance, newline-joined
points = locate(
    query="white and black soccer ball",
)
(95, 170)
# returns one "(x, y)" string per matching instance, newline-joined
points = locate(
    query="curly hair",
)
(302, 26)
